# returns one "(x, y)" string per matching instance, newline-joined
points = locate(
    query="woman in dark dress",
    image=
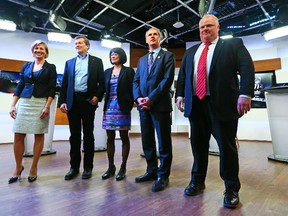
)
(117, 109)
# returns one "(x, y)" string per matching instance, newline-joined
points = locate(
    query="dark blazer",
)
(157, 84)
(124, 88)
(230, 57)
(95, 80)
(42, 86)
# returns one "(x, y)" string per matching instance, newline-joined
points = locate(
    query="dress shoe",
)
(87, 173)
(194, 189)
(32, 178)
(15, 178)
(231, 199)
(110, 172)
(160, 184)
(146, 177)
(121, 174)
(71, 174)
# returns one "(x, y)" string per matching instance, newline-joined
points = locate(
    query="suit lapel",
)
(216, 53)
(29, 70)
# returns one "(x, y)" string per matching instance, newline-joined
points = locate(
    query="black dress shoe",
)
(146, 177)
(71, 174)
(160, 184)
(194, 189)
(110, 172)
(87, 173)
(121, 174)
(32, 178)
(231, 199)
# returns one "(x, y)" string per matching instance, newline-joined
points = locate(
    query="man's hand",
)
(180, 103)
(244, 105)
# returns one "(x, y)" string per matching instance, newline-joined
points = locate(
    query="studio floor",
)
(264, 185)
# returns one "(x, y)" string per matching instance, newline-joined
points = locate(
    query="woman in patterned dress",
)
(117, 109)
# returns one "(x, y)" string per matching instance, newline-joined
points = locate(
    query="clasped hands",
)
(145, 103)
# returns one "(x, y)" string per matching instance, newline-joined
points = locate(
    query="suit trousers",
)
(80, 116)
(161, 122)
(203, 122)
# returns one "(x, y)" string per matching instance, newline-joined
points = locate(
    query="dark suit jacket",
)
(157, 84)
(95, 80)
(124, 88)
(230, 57)
(42, 86)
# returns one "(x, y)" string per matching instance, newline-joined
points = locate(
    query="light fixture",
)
(7, 25)
(59, 37)
(110, 43)
(178, 23)
(276, 33)
(227, 36)
(57, 21)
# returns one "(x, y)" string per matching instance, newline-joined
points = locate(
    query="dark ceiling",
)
(128, 20)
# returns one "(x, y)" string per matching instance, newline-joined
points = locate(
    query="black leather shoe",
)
(146, 177)
(194, 189)
(87, 173)
(110, 172)
(121, 174)
(160, 184)
(71, 174)
(231, 199)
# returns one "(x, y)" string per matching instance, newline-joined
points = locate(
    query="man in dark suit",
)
(82, 88)
(217, 111)
(151, 90)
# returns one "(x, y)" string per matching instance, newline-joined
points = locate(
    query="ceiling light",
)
(110, 43)
(7, 25)
(57, 21)
(226, 36)
(59, 37)
(178, 23)
(276, 33)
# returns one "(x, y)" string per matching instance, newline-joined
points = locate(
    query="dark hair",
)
(121, 53)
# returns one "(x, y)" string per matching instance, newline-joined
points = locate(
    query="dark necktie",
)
(150, 61)
(201, 73)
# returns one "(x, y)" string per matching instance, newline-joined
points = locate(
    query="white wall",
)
(253, 126)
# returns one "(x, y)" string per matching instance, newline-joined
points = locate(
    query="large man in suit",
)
(82, 88)
(151, 90)
(217, 111)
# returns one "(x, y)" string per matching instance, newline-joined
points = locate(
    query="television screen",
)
(263, 80)
(8, 81)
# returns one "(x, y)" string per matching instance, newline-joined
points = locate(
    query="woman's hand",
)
(13, 112)
(45, 112)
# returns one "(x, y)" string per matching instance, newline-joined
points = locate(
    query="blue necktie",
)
(150, 61)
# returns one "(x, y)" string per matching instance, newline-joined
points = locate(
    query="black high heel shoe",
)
(110, 172)
(15, 178)
(32, 178)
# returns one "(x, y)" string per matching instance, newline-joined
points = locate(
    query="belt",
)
(80, 93)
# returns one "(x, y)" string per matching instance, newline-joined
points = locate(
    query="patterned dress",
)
(113, 118)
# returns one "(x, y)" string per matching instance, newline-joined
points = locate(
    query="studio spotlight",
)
(57, 21)
(27, 18)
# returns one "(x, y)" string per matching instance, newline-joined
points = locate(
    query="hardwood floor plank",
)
(263, 192)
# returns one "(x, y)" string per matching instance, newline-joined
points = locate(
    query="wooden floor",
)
(264, 185)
